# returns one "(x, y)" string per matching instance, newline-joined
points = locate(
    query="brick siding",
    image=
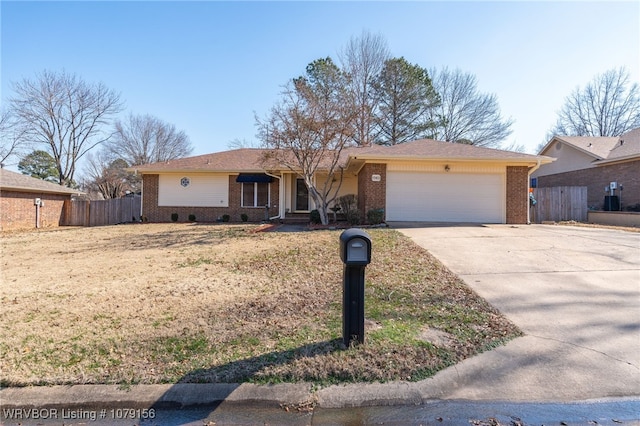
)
(155, 213)
(517, 194)
(372, 195)
(17, 210)
(597, 178)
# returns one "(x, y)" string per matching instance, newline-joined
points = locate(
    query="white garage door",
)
(445, 197)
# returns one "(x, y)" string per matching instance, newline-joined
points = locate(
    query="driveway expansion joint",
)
(575, 345)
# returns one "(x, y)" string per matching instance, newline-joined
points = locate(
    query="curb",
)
(159, 396)
(194, 394)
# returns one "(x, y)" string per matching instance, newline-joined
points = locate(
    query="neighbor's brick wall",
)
(18, 212)
(372, 195)
(597, 178)
(154, 213)
(517, 194)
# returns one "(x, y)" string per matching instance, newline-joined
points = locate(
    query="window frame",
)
(255, 195)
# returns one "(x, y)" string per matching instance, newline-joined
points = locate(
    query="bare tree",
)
(12, 141)
(108, 176)
(242, 143)
(144, 139)
(465, 114)
(66, 114)
(307, 131)
(608, 106)
(514, 147)
(363, 59)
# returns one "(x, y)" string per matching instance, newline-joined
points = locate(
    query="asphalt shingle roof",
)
(237, 160)
(16, 181)
(429, 148)
(251, 159)
(605, 148)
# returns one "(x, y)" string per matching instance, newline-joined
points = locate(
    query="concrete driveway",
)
(574, 292)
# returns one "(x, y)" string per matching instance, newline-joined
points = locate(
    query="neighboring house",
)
(27, 202)
(424, 180)
(594, 162)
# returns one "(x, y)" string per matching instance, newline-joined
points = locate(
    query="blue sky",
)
(209, 66)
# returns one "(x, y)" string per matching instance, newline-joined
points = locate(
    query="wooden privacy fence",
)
(560, 203)
(102, 212)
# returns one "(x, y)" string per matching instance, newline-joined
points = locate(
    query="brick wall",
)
(372, 195)
(17, 210)
(597, 178)
(155, 213)
(517, 194)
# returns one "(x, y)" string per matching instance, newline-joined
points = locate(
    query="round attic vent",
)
(558, 146)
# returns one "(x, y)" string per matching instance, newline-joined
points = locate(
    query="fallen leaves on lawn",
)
(217, 303)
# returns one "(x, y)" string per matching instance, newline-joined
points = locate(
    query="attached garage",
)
(445, 197)
(432, 181)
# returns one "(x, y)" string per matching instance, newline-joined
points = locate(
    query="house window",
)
(255, 194)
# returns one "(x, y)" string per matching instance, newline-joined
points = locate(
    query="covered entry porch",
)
(295, 202)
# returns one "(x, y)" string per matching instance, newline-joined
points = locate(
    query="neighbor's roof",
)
(19, 182)
(604, 149)
(252, 159)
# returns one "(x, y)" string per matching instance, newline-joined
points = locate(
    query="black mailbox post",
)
(355, 252)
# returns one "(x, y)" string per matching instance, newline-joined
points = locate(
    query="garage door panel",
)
(439, 197)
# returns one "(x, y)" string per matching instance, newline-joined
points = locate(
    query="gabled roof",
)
(19, 182)
(248, 160)
(603, 149)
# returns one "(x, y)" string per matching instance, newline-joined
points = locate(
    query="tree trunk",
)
(321, 205)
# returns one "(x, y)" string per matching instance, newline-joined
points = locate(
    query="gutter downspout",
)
(135, 173)
(531, 171)
(280, 195)
(38, 214)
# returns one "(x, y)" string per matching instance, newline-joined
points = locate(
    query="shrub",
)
(244, 217)
(353, 217)
(348, 203)
(349, 206)
(314, 216)
(174, 217)
(144, 219)
(226, 217)
(192, 218)
(375, 216)
(634, 208)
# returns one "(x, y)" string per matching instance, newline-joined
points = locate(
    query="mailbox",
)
(355, 252)
(355, 247)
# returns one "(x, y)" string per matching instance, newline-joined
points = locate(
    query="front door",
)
(302, 195)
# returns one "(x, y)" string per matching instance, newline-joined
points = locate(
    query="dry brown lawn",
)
(162, 303)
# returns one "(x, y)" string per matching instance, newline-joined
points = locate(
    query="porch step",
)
(297, 218)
